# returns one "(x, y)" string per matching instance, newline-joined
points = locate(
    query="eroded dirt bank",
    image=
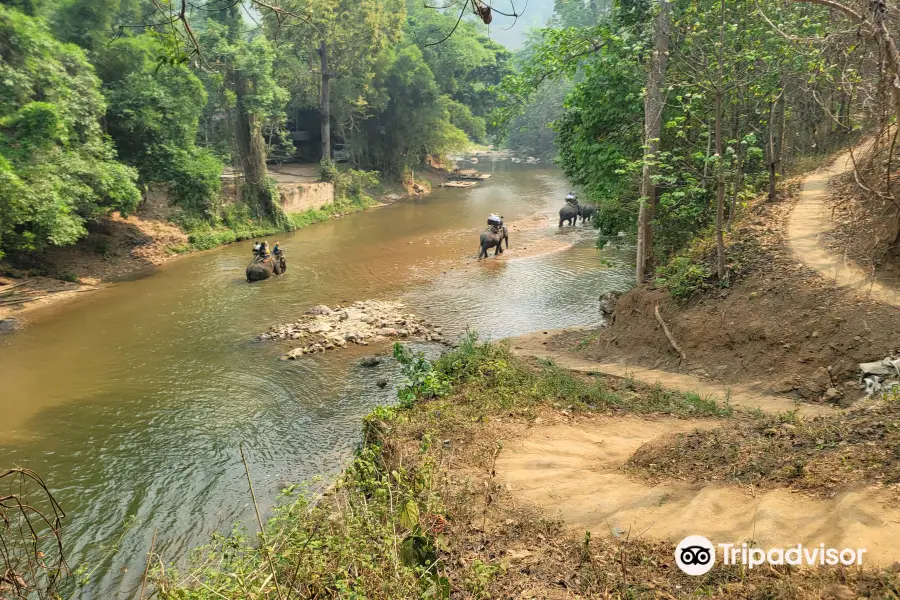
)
(781, 343)
(511, 485)
(794, 319)
(574, 471)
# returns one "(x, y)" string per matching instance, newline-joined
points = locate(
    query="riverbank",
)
(434, 505)
(117, 247)
(793, 319)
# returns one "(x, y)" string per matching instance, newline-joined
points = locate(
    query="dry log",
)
(669, 335)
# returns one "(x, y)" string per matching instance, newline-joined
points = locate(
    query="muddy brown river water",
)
(133, 400)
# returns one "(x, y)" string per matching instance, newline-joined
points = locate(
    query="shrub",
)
(196, 182)
(420, 379)
(683, 277)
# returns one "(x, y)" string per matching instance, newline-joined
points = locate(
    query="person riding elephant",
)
(569, 213)
(493, 237)
(571, 198)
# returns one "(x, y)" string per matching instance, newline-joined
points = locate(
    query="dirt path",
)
(572, 471)
(741, 397)
(810, 218)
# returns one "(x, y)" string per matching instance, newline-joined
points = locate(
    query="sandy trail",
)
(740, 396)
(572, 471)
(811, 217)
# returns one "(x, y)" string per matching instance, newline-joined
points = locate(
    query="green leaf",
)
(409, 515)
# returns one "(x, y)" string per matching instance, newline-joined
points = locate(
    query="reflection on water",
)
(134, 400)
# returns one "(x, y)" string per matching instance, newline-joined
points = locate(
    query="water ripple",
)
(136, 400)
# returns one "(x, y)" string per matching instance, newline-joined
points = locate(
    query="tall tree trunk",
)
(709, 147)
(325, 102)
(774, 149)
(782, 135)
(739, 175)
(653, 107)
(251, 151)
(720, 188)
(720, 153)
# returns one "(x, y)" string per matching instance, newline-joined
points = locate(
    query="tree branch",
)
(837, 6)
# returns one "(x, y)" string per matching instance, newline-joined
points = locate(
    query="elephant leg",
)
(482, 252)
(499, 249)
(560, 221)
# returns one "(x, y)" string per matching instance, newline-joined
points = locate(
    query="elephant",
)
(586, 211)
(263, 268)
(569, 213)
(489, 239)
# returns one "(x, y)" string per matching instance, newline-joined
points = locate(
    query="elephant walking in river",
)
(586, 211)
(493, 238)
(264, 267)
(569, 213)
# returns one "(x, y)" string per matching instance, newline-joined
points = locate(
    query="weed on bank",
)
(419, 512)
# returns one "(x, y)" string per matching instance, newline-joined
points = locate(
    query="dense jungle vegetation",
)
(671, 114)
(100, 98)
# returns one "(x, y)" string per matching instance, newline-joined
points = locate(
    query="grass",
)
(419, 512)
(203, 236)
(820, 455)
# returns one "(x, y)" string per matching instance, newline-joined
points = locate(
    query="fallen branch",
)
(149, 560)
(44, 295)
(8, 288)
(669, 334)
(262, 530)
(19, 300)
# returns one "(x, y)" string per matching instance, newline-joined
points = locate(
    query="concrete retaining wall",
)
(300, 197)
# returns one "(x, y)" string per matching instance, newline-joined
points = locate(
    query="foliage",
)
(415, 122)
(420, 379)
(195, 179)
(392, 526)
(396, 101)
(782, 95)
(684, 277)
(349, 184)
(58, 170)
(153, 117)
(467, 66)
(531, 132)
(91, 24)
(355, 33)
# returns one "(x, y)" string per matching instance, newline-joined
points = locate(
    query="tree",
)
(340, 40)
(733, 78)
(246, 70)
(153, 115)
(57, 170)
(92, 23)
(413, 120)
(467, 66)
(654, 102)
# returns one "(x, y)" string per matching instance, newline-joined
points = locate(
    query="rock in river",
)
(326, 328)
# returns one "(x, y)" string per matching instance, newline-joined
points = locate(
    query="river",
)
(133, 400)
